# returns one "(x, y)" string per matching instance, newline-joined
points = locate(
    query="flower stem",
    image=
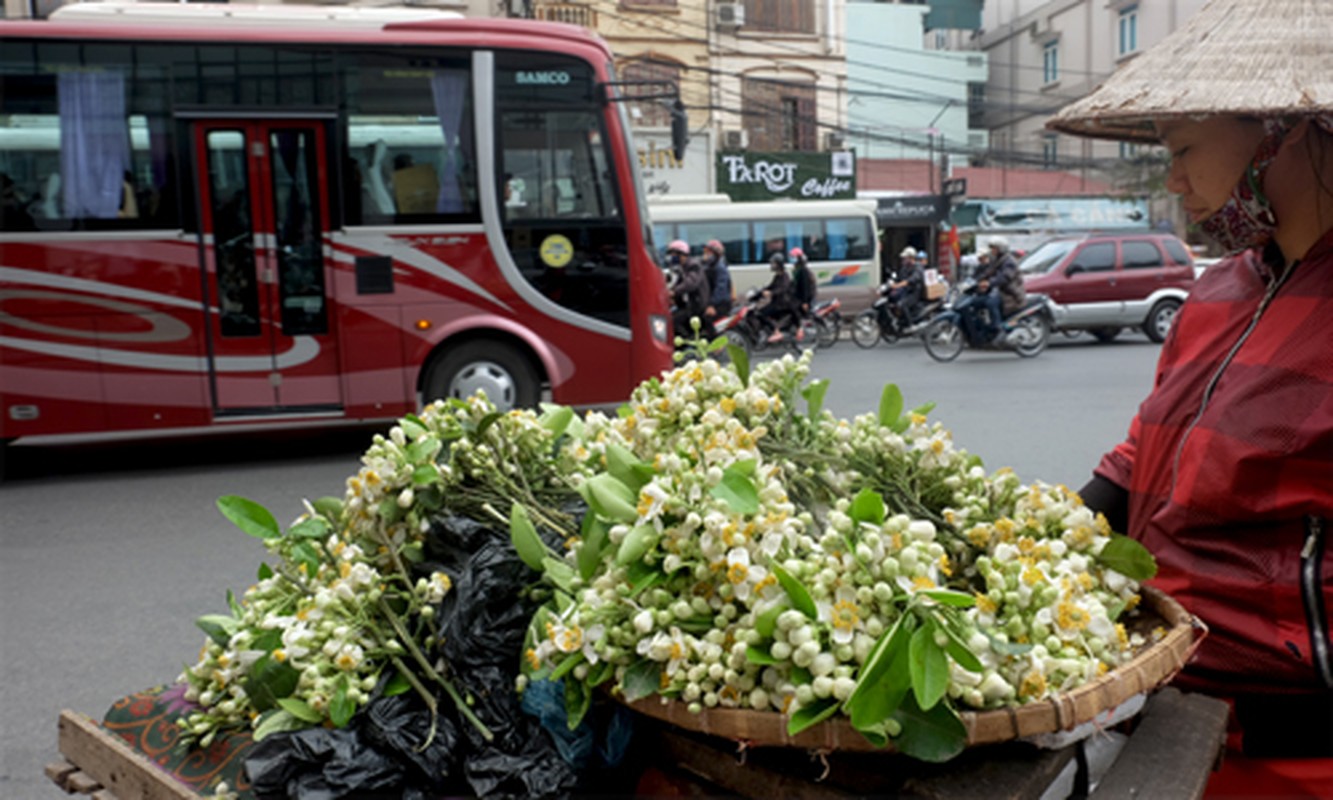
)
(410, 644)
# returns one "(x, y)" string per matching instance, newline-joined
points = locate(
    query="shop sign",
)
(665, 174)
(796, 175)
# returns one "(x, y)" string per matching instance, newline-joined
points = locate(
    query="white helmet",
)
(908, 252)
(999, 243)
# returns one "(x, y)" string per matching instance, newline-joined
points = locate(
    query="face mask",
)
(1246, 219)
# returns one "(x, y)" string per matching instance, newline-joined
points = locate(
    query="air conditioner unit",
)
(730, 16)
(735, 140)
(835, 141)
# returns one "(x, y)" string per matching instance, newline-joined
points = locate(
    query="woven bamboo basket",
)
(1154, 664)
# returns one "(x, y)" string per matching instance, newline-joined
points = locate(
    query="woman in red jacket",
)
(1227, 472)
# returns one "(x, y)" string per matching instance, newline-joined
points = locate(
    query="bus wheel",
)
(501, 370)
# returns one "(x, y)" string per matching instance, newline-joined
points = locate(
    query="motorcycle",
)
(1026, 331)
(883, 320)
(753, 331)
(827, 317)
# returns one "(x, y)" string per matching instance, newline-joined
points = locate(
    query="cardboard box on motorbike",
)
(935, 286)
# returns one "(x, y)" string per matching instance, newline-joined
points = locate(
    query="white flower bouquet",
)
(722, 542)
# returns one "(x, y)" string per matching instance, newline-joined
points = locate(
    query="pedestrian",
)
(1227, 471)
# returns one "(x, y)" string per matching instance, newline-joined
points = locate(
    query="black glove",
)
(1110, 499)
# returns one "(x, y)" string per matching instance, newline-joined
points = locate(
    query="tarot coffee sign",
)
(798, 176)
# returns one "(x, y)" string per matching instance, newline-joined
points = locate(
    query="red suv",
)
(1101, 283)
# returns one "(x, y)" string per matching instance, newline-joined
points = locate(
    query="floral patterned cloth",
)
(146, 721)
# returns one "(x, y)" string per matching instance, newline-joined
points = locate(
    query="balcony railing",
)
(567, 12)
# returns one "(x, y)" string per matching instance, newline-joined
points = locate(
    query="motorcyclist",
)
(999, 291)
(804, 287)
(908, 286)
(719, 280)
(689, 295)
(779, 294)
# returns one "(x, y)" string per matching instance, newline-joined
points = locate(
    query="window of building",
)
(779, 115)
(1128, 31)
(654, 112)
(782, 16)
(650, 3)
(1129, 150)
(1050, 62)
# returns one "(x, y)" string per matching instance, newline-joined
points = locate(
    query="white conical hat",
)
(1263, 58)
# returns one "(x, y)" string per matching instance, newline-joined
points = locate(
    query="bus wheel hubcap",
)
(487, 376)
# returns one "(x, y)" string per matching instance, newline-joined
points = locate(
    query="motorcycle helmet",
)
(777, 263)
(679, 246)
(797, 254)
(908, 252)
(715, 246)
(999, 244)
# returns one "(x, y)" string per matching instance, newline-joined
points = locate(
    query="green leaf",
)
(929, 667)
(741, 361)
(957, 648)
(264, 572)
(737, 490)
(933, 735)
(559, 573)
(311, 528)
(556, 419)
(1128, 557)
(600, 673)
(643, 678)
(800, 597)
(529, 546)
(424, 475)
(890, 406)
(643, 576)
(812, 714)
(1008, 648)
(486, 423)
(300, 709)
(328, 507)
(267, 640)
(577, 702)
(269, 681)
(759, 655)
(397, 685)
(814, 396)
(636, 544)
(249, 516)
(949, 597)
(767, 622)
(278, 721)
(627, 468)
(305, 553)
(867, 506)
(924, 409)
(567, 665)
(219, 627)
(612, 499)
(236, 610)
(423, 449)
(413, 426)
(883, 681)
(595, 535)
(341, 706)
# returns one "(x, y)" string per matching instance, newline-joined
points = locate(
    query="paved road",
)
(109, 553)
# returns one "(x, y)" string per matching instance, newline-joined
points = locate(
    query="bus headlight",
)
(659, 327)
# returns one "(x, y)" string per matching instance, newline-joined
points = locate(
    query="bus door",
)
(264, 214)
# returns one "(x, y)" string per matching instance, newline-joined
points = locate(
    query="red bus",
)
(225, 216)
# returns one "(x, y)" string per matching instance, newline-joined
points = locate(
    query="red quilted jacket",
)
(1229, 469)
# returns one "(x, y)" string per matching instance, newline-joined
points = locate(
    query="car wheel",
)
(1160, 320)
(1104, 334)
(943, 340)
(506, 375)
(865, 329)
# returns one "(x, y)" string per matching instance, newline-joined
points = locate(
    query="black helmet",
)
(776, 262)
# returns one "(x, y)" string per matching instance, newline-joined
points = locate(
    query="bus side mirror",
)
(680, 129)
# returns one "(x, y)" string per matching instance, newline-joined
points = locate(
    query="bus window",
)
(410, 141)
(83, 148)
(780, 236)
(233, 237)
(849, 239)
